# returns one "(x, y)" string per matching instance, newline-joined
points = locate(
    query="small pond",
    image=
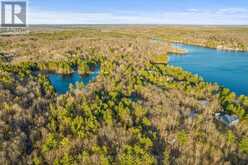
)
(61, 82)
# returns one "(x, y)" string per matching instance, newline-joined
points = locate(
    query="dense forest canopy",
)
(139, 110)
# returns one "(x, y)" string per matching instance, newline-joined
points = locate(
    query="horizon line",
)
(162, 24)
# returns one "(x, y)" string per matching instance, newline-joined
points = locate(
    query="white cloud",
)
(218, 17)
(192, 10)
(191, 16)
(232, 11)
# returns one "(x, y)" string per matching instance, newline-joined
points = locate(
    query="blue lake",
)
(228, 69)
(61, 82)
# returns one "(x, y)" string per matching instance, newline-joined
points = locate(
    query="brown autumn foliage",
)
(135, 112)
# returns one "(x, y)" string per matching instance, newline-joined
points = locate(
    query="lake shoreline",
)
(221, 47)
(223, 67)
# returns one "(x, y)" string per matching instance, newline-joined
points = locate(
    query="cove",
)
(227, 68)
(61, 82)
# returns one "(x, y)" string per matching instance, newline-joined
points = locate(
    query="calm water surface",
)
(229, 69)
(61, 83)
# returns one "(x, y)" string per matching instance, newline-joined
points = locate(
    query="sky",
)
(210, 12)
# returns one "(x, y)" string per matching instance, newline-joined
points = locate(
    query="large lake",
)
(228, 69)
(61, 82)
